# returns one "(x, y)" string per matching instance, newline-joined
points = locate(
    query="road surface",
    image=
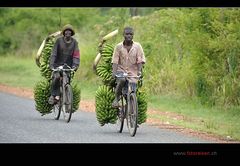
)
(21, 123)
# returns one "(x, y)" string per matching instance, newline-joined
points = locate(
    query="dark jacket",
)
(63, 52)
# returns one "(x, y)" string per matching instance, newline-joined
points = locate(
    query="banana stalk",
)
(37, 58)
(39, 53)
(96, 61)
(104, 39)
(110, 35)
(55, 34)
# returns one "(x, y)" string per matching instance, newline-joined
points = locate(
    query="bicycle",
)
(65, 102)
(128, 108)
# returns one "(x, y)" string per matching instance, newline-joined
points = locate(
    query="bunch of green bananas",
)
(142, 106)
(76, 95)
(104, 112)
(104, 69)
(42, 88)
(41, 95)
(45, 58)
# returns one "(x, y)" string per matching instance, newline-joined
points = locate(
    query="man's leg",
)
(133, 86)
(118, 90)
(55, 87)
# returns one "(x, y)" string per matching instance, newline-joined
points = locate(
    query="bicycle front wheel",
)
(67, 103)
(120, 116)
(132, 114)
(57, 110)
(57, 107)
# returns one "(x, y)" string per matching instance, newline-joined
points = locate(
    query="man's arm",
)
(114, 69)
(53, 55)
(139, 69)
(140, 55)
(76, 57)
(140, 59)
(115, 59)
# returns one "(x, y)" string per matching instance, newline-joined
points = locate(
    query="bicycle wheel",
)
(132, 114)
(121, 116)
(57, 108)
(67, 103)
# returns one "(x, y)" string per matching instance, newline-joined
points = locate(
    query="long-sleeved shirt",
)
(63, 52)
(128, 61)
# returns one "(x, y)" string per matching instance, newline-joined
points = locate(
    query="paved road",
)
(21, 123)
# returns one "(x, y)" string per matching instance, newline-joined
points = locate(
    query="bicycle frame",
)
(64, 84)
(124, 110)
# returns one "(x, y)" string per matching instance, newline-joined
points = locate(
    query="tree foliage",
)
(192, 52)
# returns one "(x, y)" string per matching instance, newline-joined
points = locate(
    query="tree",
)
(134, 11)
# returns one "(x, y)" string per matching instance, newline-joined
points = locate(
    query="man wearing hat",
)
(65, 50)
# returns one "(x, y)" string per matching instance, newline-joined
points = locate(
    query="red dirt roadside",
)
(89, 106)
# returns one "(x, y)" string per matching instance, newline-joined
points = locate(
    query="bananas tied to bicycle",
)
(105, 94)
(42, 88)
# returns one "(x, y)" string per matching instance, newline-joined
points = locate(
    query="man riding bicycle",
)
(128, 57)
(65, 51)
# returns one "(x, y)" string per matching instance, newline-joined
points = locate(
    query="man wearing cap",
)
(65, 51)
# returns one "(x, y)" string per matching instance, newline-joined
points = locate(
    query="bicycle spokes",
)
(57, 110)
(132, 115)
(68, 103)
(120, 115)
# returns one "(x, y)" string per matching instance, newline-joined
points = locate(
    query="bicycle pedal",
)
(120, 114)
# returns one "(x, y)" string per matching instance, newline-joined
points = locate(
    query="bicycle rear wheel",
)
(121, 116)
(132, 114)
(67, 103)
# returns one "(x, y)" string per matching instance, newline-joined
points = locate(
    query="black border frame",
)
(119, 3)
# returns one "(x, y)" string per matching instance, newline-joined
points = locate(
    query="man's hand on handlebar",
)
(113, 75)
(139, 74)
(74, 68)
(51, 67)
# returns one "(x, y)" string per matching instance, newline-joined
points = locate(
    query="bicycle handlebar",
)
(60, 68)
(125, 75)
